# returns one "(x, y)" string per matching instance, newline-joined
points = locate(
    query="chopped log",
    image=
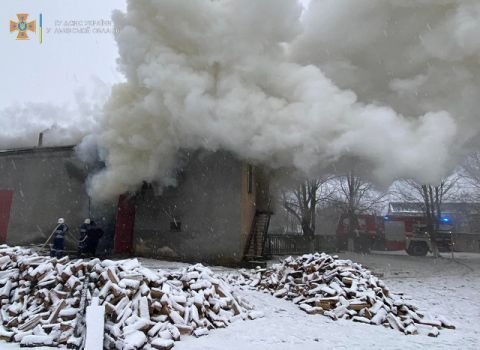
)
(56, 311)
(411, 329)
(380, 317)
(434, 332)
(162, 344)
(445, 322)
(199, 332)
(184, 329)
(357, 306)
(30, 324)
(135, 340)
(395, 323)
(112, 275)
(360, 319)
(341, 288)
(37, 340)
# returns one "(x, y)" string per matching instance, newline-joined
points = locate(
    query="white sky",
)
(52, 71)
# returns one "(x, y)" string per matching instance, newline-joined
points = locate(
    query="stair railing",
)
(250, 236)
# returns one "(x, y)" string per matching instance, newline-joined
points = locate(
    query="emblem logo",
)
(22, 26)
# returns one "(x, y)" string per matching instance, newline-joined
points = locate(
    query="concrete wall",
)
(211, 201)
(47, 183)
(207, 202)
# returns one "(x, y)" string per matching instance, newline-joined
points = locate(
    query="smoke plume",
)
(61, 124)
(393, 84)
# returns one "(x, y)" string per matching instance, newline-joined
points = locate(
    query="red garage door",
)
(124, 226)
(5, 205)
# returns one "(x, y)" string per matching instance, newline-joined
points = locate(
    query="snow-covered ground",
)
(440, 286)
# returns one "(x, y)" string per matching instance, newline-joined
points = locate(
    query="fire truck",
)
(409, 233)
(394, 232)
(370, 232)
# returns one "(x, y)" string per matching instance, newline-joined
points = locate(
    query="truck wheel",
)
(417, 249)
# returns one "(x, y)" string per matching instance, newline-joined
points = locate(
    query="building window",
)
(250, 178)
(175, 226)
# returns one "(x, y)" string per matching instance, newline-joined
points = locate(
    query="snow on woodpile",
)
(324, 284)
(43, 301)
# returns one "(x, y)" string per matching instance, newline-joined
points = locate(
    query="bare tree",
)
(302, 200)
(431, 198)
(470, 172)
(355, 196)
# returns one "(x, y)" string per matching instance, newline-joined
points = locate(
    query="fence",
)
(287, 244)
(467, 242)
(292, 244)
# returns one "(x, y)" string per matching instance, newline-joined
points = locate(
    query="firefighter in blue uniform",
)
(82, 240)
(94, 233)
(58, 245)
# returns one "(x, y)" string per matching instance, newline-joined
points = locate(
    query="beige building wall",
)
(248, 203)
(255, 196)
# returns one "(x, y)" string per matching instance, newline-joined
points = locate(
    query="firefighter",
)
(82, 239)
(94, 233)
(57, 248)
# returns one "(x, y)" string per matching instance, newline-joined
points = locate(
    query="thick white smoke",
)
(416, 56)
(61, 124)
(392, 83)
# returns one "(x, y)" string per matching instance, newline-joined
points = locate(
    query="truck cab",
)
(419, 242)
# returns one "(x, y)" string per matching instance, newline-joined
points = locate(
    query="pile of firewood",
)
(324, 284)
(43, 301)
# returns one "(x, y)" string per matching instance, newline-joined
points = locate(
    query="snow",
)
(95, 320)
(135, 340)
(32, 340)
(255, 314)
(160, 343)
(442, 287)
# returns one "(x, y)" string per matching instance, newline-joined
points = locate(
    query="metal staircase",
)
(255, 246)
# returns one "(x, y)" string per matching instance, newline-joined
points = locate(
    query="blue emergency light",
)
(445, 219)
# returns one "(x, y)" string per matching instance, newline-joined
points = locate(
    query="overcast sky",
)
(51, 72)
(64, 63)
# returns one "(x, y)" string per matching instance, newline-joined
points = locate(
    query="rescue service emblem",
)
(22, 26)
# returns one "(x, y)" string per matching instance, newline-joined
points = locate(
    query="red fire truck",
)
(409, 233)
(394, 232)
(397, 228)
(370, 232)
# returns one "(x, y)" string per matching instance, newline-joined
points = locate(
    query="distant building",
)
(464, 216)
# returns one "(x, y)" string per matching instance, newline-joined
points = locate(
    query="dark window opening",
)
(176, 226)
(250, 179)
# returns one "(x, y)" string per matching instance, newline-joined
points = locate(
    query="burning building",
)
(212, 213)
(39, 185)
(290, 92)
(208, 215)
